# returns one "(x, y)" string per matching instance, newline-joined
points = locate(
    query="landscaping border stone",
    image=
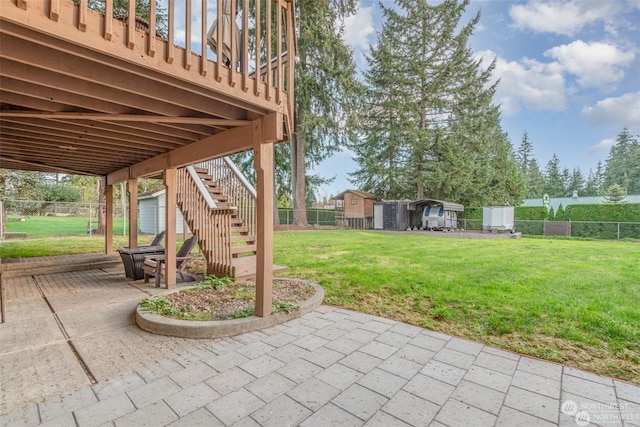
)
(161, 325)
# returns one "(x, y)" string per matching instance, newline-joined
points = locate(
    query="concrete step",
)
(16, 267)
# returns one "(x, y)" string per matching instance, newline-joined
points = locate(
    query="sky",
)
(569, 75)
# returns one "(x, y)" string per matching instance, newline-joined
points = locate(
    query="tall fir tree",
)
(554, 185)
(326, 91)
(576, 183)
(535, 180)
(327, 94)
(524, 153)
(429, 111)
(382, 166)
(623, 163)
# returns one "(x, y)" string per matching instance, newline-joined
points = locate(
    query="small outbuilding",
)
(391, 215)
(354, 205)
(431, 214)
(152, 214)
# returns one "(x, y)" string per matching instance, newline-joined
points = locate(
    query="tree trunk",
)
(101, 212)
(298, 182)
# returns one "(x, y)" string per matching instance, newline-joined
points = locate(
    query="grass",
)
(49, 226)
(569, 301)
(574, 302)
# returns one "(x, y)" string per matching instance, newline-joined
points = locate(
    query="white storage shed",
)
(151, 213)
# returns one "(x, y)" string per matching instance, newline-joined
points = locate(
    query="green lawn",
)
(570, 301)
(57, 226)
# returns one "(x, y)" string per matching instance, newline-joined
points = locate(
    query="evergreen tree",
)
(594, 183)
(430, 125)
(382, 153)
(554, 186)
(524, 154)
(623, 163)
(590, 187)
(576, 183)
(535, 180)
(566, 182)
(326, 91)
(615, 194)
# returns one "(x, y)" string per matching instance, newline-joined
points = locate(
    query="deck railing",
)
(256, 36)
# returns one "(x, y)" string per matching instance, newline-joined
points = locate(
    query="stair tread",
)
(241, 238)
(243, 248)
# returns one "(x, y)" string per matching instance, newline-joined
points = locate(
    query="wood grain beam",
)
(124, 118)
(221, 144)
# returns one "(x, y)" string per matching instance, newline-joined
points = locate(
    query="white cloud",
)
(603, 146)
(528, 84)
(615, 113)
(359, 27)
(596, 64)
(563, 17)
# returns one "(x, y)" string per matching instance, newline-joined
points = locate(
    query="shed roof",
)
(448, 206)
(362, 194)
(151, 194)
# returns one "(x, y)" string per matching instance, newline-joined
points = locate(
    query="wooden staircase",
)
(226, 240)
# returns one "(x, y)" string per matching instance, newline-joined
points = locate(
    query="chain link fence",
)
(586, 229)
(41, 219)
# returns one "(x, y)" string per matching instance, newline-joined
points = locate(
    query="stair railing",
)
(211, 224)
(236, 187)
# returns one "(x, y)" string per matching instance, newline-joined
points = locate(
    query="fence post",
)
(90, 220)
(618, 231)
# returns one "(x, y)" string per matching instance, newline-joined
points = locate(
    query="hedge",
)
(608, 212)
(614, 212)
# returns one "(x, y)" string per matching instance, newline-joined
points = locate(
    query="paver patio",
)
(330, 367)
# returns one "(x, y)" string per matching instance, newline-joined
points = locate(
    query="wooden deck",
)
(85, 93)
(90, 92)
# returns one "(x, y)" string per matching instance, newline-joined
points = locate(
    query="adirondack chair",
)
(133, 258)
(154, 265)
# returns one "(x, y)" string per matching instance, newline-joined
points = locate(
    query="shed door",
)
(378, 217)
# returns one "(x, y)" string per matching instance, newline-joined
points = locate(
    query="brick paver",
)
(330, 367)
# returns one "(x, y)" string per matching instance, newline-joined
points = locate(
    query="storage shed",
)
(151, 213)
(354, 205)
(391, 215)
(431, 214)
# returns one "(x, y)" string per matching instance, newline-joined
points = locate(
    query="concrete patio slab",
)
(329, 367)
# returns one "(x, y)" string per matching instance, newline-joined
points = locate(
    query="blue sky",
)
(569, 74)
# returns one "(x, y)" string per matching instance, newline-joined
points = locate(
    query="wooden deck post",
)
(263, 164)
(170, 182)
(132, 187)
(108, 226)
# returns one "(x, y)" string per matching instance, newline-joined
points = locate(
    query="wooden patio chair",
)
(154, 265)
(133, 258)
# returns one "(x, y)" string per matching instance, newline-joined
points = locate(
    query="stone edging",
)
(161, 325)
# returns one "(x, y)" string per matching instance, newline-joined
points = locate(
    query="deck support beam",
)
(222, 144)
(264, 135)
(170, 182)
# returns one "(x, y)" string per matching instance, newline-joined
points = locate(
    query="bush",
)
(619, 212)
(530, 213)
